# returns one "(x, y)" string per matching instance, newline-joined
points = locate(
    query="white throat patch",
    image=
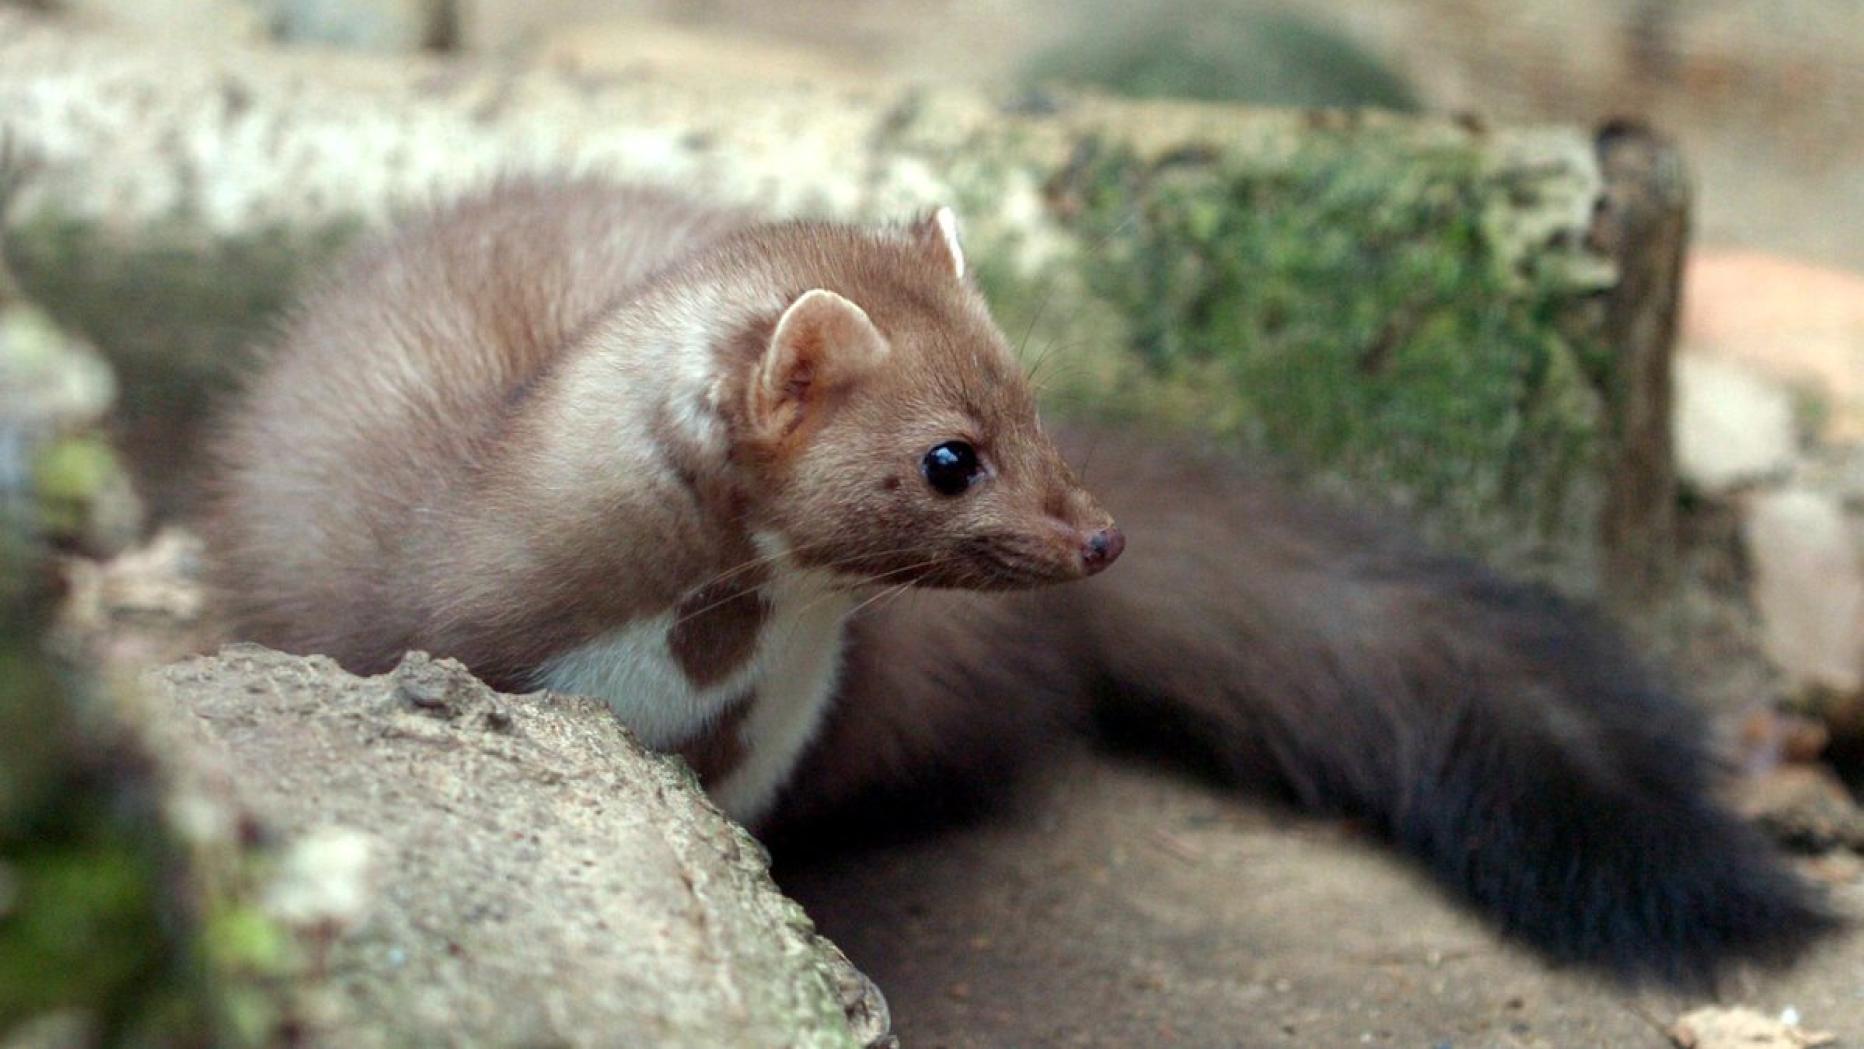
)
(792, 673)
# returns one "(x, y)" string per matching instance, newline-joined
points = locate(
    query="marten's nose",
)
(1101, 549)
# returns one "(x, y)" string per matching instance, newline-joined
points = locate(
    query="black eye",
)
(950, 468)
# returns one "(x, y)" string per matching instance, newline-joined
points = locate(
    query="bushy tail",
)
(1499, 735)
(1492, 731)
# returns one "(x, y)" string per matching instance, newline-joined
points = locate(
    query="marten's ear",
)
(822, 344)
(939, 233)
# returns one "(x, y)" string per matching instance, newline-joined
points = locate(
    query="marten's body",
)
(598, 439)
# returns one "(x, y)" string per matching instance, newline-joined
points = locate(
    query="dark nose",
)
(1101, 549)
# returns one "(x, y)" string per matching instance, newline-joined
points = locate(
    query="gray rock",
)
(1733, 427)
(448, 865)
(1808, 587)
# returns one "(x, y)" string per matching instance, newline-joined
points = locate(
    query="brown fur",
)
(395, 397)
(717, 628)
(717, 752)
(434, 454)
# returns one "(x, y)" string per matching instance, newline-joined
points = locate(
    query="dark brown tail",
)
(1490, 730)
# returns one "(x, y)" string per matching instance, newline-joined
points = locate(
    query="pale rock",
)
(47, 377)
(1733, 427)
(1794, 322)
(444, 865)
(1739, 1027)
(323, 879)
(1808, 587)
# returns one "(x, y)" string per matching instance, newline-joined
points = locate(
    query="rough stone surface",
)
(1808, 587)
(455, 866)
(1732, 427)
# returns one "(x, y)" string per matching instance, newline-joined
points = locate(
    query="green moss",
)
(84, 930)
(249, 956)
(67, 479)
(243, 938)
(1346, 310)
(33, 751)
(1219, 50)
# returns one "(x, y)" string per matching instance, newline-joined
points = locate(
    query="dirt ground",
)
(1120, 905)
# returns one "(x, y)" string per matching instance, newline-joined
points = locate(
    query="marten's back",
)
(361, 428)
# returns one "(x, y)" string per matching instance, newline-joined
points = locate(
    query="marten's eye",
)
(950, 468)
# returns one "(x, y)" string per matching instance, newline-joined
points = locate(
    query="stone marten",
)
(601, 439)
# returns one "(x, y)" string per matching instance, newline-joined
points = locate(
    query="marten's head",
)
(891, 430)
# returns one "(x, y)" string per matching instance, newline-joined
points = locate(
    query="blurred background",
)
(1762, 94)
(1757, 100)
(1388, 309)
